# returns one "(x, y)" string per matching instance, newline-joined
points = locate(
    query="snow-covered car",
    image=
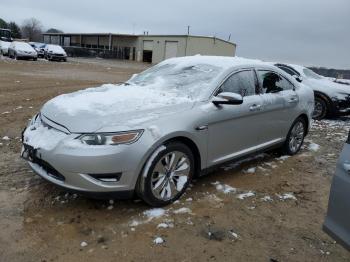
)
(337, 223)
(39, 48)
(331, 98)
(22, 50)
(4, 47)
(176, 120)
(55, 52)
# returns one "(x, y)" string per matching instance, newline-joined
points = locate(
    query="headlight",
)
(127, 137)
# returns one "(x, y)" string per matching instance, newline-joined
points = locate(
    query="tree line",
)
(30, 29)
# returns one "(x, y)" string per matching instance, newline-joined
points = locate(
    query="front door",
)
(233, 129)
(337, 222)
(280, 101)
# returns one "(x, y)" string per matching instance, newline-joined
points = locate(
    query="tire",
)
(321, 108)
(295, 137)
(158, 189)
(35, 59)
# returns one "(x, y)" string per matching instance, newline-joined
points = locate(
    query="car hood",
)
(327, 86)
(113, 108)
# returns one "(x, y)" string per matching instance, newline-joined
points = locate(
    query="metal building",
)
(146, 48)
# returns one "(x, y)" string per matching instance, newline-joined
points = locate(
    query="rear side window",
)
(289, 70)
(271, 82)
(242, 83)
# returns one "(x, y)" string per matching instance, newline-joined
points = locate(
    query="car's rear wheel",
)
(320, 109)
(166, 174)
(295, 137)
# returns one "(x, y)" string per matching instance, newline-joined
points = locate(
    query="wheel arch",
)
(192, 146)
(307, 121)
(326, 98)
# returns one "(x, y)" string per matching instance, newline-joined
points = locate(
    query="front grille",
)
(50, 170)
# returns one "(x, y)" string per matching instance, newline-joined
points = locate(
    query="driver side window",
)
(271, 82)
(242, 83)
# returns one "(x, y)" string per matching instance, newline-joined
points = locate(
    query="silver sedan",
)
(176, 120)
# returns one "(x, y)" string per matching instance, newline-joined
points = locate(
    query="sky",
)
(306, 32)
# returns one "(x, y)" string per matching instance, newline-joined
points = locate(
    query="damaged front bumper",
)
(341, 106)
(95, 171)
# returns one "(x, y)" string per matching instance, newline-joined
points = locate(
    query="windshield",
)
(188, 80)
(311, 74)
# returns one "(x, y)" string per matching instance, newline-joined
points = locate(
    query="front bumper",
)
(57, 57)
(27, 56)
(93, 170)
(341, 106)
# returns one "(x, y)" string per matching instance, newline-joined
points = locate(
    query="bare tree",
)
(32, 29)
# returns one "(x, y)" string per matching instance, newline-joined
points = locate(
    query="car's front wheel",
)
(166, 174)
(295, 137)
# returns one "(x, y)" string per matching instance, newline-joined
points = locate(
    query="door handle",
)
(255, 107)
(293, 100)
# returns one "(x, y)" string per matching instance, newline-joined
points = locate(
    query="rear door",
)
(280, 102)
(233, 129)
(337, 223)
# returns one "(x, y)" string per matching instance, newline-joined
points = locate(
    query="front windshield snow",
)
(189, 79)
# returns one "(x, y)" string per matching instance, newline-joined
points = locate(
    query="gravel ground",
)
(267, 208)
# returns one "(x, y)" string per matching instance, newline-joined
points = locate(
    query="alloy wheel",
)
(169, 175)
(296, 137)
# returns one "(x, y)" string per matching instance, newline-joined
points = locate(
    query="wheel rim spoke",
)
(169, 172)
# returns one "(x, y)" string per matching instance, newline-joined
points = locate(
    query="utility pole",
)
(229, 37)
(188, 30)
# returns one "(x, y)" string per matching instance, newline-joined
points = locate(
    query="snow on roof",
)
(225, 62)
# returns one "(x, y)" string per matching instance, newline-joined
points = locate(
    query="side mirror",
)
(227, 98)
(298, 78)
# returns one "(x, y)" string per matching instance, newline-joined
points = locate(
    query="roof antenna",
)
(229, 37)
(188, 30)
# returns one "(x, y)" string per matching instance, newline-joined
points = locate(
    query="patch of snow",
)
(189, 199)
(154, 213)
(182, 210)
(6, 138)
(163, 225)
(267, 199)
(282, 158)
(6, 112)
(224, 188)
(155, 132)
(40, 136)
(246, 195)
(182, 180)
(234, 234)
(151, 159)
(314, 147)
(250, 170)
(158, 241)
(287, 196)
(83, 244)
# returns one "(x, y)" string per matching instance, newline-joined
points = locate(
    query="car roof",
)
(224, 62)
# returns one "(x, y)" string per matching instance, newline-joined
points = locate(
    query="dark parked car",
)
(55, 52)
(331, 98)
(39, 48)
(337, 222)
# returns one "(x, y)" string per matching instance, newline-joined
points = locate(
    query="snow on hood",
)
(55, 49)
(125, 106)
(22, 46)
